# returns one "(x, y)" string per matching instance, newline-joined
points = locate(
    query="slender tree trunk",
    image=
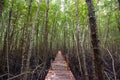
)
(107, 30)
(78, 35)
(64, 43)
(84, 58)
(95, 41)
(1, 6)
(46, 30)
(37, 44)
(52, 38)
(6, 46)
(12, 35)
(31, 43)
(7, 40)
(73, 38)
(24, 43)
(119, 16)
(119, 4)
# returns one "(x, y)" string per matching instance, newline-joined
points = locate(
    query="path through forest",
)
(59, 69)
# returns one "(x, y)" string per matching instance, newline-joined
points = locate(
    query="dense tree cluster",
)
(86, 31)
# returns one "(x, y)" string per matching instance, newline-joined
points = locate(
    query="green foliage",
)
(62, 15)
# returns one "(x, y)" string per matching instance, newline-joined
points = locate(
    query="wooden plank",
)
(59, 69)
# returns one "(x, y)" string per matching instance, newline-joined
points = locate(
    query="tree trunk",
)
(1, 6)
(46, 30)
(7, 40)
(52, 38)
(24, 43)
(95, 41)
(119, 16)
(64, 42)
(84, 58)
(6, 46)
(119, 4)
(31, 43)
(78, 36)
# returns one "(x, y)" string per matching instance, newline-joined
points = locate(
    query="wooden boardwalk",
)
(59, 69)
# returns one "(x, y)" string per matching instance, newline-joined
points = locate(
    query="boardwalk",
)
(59, 70)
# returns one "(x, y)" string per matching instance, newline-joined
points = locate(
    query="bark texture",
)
(95, 41)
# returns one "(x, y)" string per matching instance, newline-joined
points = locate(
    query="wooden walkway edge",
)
(59, 69)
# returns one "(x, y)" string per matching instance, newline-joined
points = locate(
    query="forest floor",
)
(59, 69)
